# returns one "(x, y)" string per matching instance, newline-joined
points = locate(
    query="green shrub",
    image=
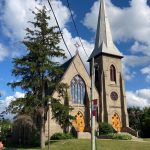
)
(122, 136)
(105, 128)
(106, 136)
(61, 136)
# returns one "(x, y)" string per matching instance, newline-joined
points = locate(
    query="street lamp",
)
(49, 103)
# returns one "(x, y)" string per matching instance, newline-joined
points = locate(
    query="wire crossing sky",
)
(129, 22)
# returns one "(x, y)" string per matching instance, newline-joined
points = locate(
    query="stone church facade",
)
(109, 83)
(77, 77)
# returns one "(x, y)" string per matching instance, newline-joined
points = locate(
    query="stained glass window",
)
(78, 90)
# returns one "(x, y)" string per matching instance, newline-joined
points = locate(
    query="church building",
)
(109, 83)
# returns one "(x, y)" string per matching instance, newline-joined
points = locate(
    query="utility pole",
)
(49, 103)
(92, 97)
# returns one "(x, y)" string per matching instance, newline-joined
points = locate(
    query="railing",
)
(130, 131)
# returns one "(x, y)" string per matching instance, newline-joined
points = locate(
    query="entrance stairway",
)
(130, 131)
(134, 138)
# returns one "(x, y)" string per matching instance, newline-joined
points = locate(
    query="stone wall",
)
(67, 77)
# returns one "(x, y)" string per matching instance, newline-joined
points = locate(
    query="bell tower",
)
(108, 75)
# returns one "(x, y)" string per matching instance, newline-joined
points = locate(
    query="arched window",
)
(112, 73)
(78, 90)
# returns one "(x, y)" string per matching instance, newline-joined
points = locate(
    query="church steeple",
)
(104, 42)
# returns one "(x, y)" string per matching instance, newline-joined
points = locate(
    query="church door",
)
(78, 123)
(116, 122)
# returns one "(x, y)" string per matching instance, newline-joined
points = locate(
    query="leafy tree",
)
(24, 131)
(5, 128)
(38, 72)
(135, 115)
(139, 119)
(145, 123)
(61, 112)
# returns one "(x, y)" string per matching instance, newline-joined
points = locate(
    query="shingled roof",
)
(66, 64)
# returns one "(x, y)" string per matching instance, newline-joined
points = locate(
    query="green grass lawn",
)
(147, 139)
(101, 145)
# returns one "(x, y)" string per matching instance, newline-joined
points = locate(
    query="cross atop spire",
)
(104, 42)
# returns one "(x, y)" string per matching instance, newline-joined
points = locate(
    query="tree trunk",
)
(42, 130)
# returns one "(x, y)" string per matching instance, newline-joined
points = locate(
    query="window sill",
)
(113, 83)
(77, 105)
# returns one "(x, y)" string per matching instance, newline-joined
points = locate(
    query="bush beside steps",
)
(120, 136)
(117, 136)
(61, 136)
(106, 131)
(105, 128)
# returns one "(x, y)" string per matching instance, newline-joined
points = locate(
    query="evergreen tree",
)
(38, 71)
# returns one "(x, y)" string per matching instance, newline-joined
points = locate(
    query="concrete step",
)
(83, 135)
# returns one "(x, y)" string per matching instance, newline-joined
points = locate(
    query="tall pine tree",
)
(37, 69)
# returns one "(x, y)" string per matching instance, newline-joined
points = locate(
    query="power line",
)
(76, 28)
(59, 28)
(62, 35)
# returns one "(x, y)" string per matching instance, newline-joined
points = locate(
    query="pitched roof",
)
(104, 42)
(66, 64)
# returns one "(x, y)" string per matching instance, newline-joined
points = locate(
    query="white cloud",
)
(124, 29)
(145, 93)
(91, 17)
(62, 13)
(21, 12)
(128, 73)
(140, 47)
(127, 23)
(14, 28)
(71, 41)
(2, 92)
(146, 71)
(3, 52)
(16, 14)
(139, 98)
(5, 102)
(132, 61)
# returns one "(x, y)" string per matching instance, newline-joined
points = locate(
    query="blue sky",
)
(130, 24)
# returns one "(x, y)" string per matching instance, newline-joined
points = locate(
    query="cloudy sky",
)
(130, 24)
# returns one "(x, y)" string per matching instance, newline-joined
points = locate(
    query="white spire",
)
(104, 42)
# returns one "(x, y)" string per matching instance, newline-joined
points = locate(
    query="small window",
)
(112, 73)
(78, 90)
(96, 75)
